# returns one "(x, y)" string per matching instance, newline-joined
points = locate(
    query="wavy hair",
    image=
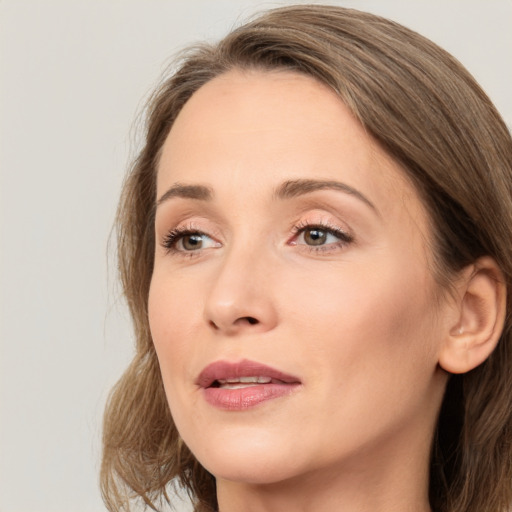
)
(430, 115)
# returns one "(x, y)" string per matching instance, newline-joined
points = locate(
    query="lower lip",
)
(245, 398)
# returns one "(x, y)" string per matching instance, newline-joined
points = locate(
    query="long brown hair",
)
(429, 114)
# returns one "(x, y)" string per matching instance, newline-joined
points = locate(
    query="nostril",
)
(249, 319)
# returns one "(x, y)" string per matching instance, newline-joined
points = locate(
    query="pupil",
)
(315, 237)
(192, 242)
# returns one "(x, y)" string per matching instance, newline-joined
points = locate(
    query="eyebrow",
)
(294, 188)
(287, 190)
(199, 192)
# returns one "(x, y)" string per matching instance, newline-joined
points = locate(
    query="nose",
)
(241, 298)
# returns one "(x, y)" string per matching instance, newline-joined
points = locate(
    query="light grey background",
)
(72, 77)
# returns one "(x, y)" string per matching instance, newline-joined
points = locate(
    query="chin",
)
(262, 471)
(252, 459)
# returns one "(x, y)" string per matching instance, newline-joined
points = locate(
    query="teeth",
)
(238, 385)
(242, 381)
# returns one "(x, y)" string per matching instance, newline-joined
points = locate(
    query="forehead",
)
(256, 128)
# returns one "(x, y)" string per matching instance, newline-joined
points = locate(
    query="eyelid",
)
(324, 220)
(321, 220)
(343, 235)
(175, 235)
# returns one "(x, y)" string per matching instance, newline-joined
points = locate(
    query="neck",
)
(394, 480)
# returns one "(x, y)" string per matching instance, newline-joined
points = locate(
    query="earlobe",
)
(480, 318)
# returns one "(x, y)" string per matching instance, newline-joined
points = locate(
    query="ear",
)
(479, 319)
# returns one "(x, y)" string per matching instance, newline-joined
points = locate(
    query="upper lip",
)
(221, 370)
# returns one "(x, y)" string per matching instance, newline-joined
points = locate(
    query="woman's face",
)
(291, 306)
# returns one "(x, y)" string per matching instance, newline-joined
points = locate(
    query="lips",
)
(244, 384)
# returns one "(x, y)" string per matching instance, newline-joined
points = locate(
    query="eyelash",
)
(175, 235)
(344, 237)
(172, 238)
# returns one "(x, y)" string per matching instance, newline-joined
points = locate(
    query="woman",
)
(315, 246)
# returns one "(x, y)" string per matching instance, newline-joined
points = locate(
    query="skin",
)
(357, 321)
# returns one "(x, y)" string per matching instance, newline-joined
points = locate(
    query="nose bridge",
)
(240, 296)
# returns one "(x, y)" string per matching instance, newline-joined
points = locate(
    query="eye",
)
(185, 240)
(191, 242)
(317, 236)
(321, 237)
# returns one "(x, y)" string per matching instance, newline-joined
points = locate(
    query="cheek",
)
(173, 314)
(367, 322)
(369, 340)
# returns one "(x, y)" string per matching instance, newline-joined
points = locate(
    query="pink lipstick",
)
(244, 384)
